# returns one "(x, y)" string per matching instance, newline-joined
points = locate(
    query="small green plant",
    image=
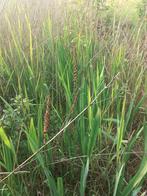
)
(16, 113)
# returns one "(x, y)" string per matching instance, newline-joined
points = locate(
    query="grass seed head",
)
(47, 117)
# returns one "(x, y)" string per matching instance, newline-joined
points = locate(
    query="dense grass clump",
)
(72, 99)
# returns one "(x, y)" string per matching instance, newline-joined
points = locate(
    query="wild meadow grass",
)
(72, 100)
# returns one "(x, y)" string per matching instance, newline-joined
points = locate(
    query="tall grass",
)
(80, 54)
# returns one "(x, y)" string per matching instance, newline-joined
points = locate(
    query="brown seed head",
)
(47, 116)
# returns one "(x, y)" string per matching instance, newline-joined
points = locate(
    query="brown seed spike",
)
(75, 71)
(46, 118)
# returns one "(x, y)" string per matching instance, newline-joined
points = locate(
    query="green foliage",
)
(8, 156)
(84, 174)
(143, 9)
(16, 113)
(86, 53)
